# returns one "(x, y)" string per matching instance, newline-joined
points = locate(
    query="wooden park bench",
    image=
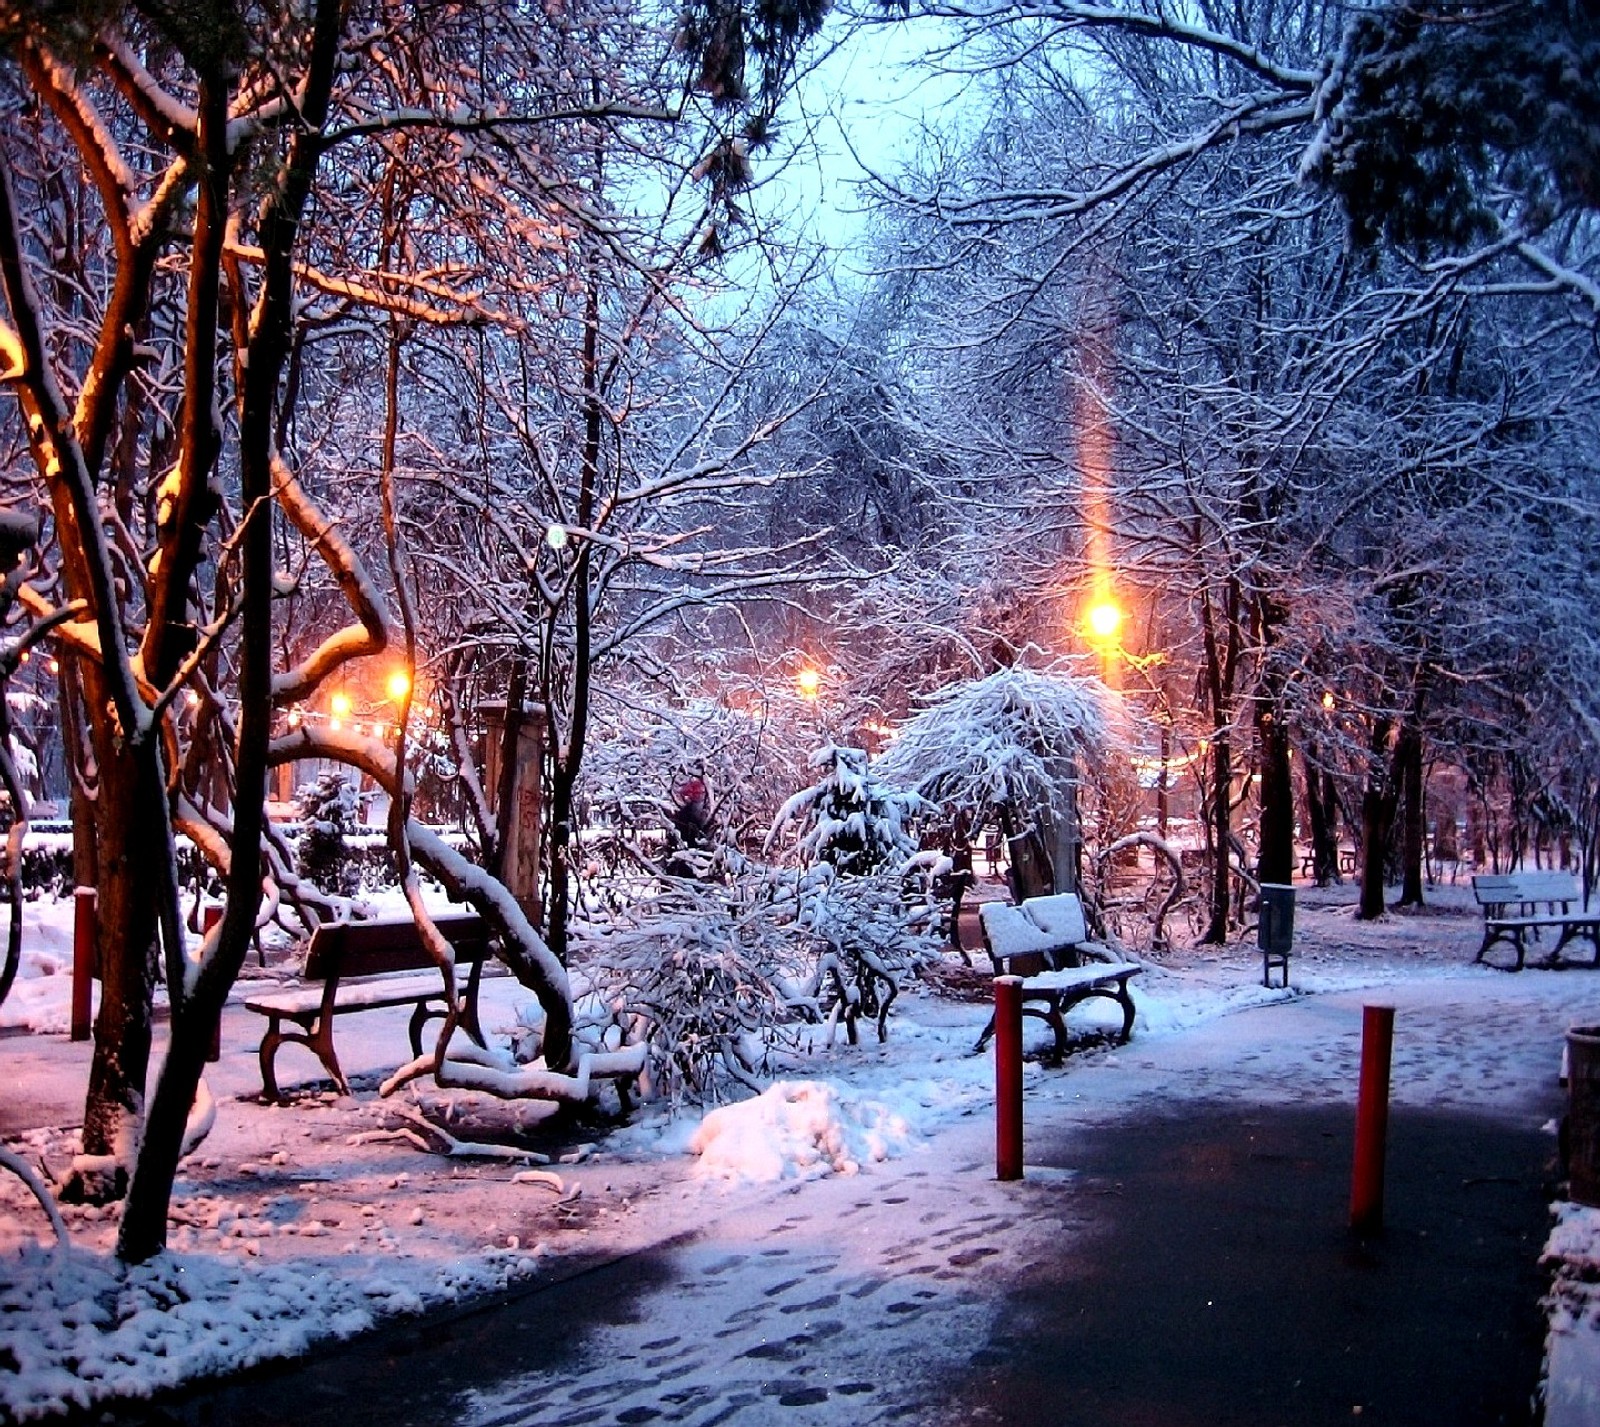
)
(368, 966)
(1045, 941)
(1511, 903)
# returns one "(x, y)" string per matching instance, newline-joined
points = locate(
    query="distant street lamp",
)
(1104, 620)
(399, 686)
(809, 682)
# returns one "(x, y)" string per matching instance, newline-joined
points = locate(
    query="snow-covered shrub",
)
(1018, 739)
(328, 813)
(704, 974)
(852, 820)
(859, 898)
(863, 933)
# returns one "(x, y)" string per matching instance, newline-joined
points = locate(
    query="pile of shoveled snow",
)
(798, 1129)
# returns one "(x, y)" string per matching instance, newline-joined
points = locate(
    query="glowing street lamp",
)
(1104, 620)
(809, 682)
(399, 686)
(338, 709)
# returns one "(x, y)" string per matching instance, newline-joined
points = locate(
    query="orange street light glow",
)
(1328, 700)
(339, 706)
(809, 681)
(1105, 619)
(399, 685)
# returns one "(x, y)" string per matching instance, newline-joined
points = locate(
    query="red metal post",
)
(208, 919)
(83, 961)
(1372, 1119)
(1008, 1076)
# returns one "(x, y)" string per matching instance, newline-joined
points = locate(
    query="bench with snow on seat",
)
(1511, 903)
(368, 966)
(1045, 941)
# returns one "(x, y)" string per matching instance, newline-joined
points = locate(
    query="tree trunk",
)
(1413, 845)
(130, 800)
(1277, 800)
(568, 752)
(1217, 673)
(1378, 803)
(144, 1222)
(1220, 827)
(1322, 809)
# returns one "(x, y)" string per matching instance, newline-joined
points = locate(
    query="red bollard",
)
(83, 960)
(208, 919)
(1008, 1077)
(1372, 1119)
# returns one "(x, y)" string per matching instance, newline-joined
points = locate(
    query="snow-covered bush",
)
(704, 974)
(859, 898)
(863, 933)
(328, 814)
(1040, 753)
(852, 820)
(1018, 738)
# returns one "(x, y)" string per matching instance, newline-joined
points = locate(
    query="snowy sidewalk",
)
(660, 1293)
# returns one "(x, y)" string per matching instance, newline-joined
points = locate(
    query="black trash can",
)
(1275, 929)
(1583, 1114)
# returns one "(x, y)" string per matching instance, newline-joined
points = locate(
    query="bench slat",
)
(1500, 888)
(346, 949)
(354, 995)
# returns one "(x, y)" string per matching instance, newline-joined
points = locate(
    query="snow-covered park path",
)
(697, 1290)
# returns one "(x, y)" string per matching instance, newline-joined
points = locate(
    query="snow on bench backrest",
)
(1502, 888)
(1059, 917)
(1009, 932)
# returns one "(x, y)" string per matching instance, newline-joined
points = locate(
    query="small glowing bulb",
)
(192, 697)
(339, 705)
(294, 718)
(1104, 620)
(556, 537)
(1328, 701)
(399, 685)
(809, 681)
(55, 666)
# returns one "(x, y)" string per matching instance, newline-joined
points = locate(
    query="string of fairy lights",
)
(341, 712)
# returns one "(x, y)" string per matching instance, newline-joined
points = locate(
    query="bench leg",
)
(1057, 1022)
(1125, 1000)
(984, 1039)
(268, 1054)
(1492, 935)
(317, 1038)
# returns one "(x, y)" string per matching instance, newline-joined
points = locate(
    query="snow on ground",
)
(316, 1220)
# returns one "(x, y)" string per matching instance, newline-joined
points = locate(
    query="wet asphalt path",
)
(1223, 1288)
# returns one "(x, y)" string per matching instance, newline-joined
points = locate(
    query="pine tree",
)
(328, 816)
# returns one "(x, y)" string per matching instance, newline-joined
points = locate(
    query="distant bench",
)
(1045, 940)
(1511, 903)
(361, 966)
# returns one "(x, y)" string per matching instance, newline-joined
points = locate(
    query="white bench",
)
(1045, 941)
(1511, 903)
